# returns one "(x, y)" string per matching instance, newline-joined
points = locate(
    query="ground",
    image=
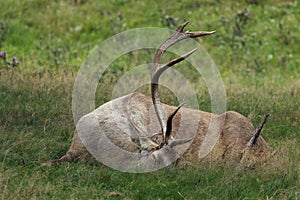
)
(256, 51)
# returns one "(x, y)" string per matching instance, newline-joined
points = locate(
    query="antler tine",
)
(258, 131)
(164, 67)
(182, 26)
(199, 33)
(169, 123)
(157, 71)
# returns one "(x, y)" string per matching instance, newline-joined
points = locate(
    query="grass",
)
(255, 48)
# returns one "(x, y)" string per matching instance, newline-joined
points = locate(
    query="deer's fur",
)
(135, 123)
(231, 146)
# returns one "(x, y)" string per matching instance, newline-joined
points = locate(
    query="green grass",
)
(259, 64)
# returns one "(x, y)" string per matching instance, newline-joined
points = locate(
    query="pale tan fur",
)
(230, 147)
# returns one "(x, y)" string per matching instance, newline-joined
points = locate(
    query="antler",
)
(157, 70)
(255, 136)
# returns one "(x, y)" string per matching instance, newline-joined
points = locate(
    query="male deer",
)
(137, 124)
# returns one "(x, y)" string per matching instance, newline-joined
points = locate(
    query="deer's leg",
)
(76, 151)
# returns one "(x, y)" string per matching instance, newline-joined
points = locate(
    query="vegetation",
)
(255, 48)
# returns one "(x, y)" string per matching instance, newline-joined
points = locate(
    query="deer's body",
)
(124, 117)
(138, 124)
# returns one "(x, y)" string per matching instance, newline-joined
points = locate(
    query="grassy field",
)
(256, 49)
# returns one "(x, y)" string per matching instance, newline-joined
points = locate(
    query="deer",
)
(138, 133)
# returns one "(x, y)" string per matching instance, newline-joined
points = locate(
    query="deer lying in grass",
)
(137, 124)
